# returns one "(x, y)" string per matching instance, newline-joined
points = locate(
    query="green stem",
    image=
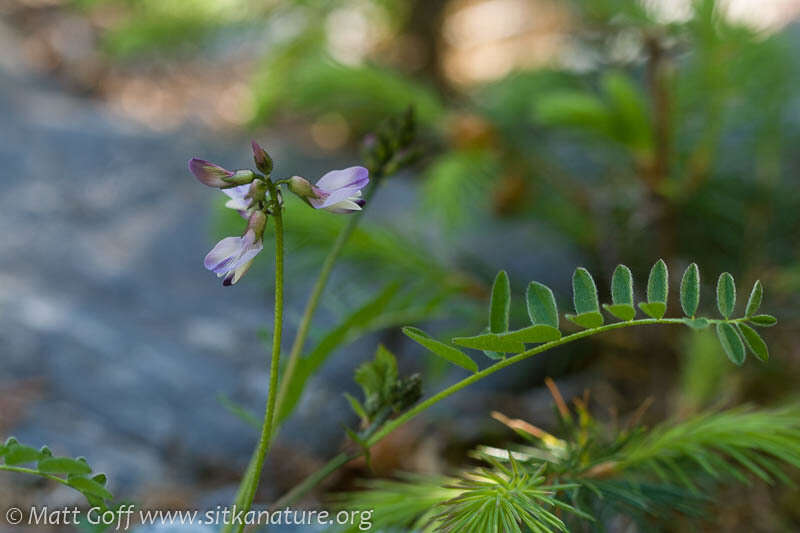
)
(247, 490)
(313, 300)
(314, 479)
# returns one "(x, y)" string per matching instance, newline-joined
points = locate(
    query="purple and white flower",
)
(231, 258)
(338, 191)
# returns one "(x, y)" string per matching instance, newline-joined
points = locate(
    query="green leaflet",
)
(441, 349)
(658, 283)
(726, 294)
(500, 305)
(592, 319)
(754, 301)
(754, 342)
(622, 286)
(764, 321)
(653, 309)
(533, 334)
(63, 465)
(584, 292)
(697, 323)
(621, 294)
(89, 487)
(624, 312)
(356, 406)
(541, 304)
(18, 454)
(690, 290)
(491, 342)
(731, 342)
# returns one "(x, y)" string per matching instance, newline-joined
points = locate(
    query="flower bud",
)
(262, 159)
(209, 174)
(240, 177)
(257, 222)
(301, 187)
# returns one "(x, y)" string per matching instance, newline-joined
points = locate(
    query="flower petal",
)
(238, 198)
(209, 173)
(355, 177)
(226, 250)
(345, 206)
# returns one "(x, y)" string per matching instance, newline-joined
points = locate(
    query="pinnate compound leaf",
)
(764, 321)
(584, 292)
(754, 301)
(726, 294)
(731, 342)
(754, 342)
(500, 305)
(441, 349)
(690, 290)
(542, 308)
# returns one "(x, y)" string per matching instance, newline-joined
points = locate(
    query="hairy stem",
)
(247, 490)
(314, 479)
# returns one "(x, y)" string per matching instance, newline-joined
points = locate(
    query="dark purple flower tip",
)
(209, 173)
(262, 158)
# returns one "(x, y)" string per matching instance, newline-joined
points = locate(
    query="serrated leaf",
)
(542, 308)
(754, 342)
(764, 321)
(624, 312)
(754, 301)
(731, 342)
(726, 294)
(89, 487)
(584, 292)
(356, 406)
(690, 290)
(658, 283)
(441, 349)
(63, 465)
(593, 319)
(697, 323)
(491, 342)
(500, 305)
(19, 454)
(533, 334)
(653, 309)
(622, 287)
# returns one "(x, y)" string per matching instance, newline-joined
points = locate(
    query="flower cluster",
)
(338, 191)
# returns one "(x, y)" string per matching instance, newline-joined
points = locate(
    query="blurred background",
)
(555, 134)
